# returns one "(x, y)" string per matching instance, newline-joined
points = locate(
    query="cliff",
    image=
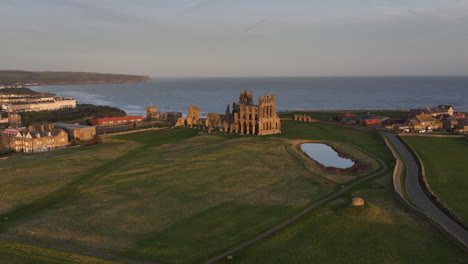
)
(48, 78)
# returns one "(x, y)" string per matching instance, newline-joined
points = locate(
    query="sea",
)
(292, 93)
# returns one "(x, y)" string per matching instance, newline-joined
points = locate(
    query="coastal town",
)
(244, 118)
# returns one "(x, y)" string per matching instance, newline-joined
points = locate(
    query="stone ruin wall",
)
(245, 117)
(304, 118)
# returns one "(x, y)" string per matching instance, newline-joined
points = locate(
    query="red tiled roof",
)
(372, 121)
(115, 120)
(347, 115)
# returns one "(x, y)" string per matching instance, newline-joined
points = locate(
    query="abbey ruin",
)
(245, 117)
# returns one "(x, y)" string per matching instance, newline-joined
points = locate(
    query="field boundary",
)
(426, 217)
(427, 190)
(432, 135)
(131, 132)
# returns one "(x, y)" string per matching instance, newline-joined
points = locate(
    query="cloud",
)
(259, 23)
(196, 5)
(101, 12)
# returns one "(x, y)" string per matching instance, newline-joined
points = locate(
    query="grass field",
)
(25, 179)
(80, 113)
(47, 77)
(332, 114)
(163, 202)
(173, 196)
(16, 253)
(445, 161)
(380, 232)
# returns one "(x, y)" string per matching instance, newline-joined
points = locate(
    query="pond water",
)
(326, 155)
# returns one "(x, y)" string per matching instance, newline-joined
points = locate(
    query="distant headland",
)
(26, 78)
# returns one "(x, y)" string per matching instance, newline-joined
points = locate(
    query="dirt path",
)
(299, 215)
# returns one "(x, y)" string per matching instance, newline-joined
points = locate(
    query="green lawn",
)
(334, 114)
(16, 253)
(173, 196)
(183, 201)
(381, 232)
(25, 179)
(368, 141)
(445, 161)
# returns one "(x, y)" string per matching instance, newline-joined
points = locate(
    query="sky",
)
(223, 38)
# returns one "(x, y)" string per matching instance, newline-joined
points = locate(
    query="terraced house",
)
(38, 138)
(425, 122)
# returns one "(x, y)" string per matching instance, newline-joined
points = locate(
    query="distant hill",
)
(8, 77)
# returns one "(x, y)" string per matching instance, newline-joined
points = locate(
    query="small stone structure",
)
(152, 114)
(303, 118)
(357, 202)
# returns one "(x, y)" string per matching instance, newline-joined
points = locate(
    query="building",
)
(110, 121)
(425, 122)
(38, 138)
(14, 118)
(83, 133)
(462, 126)
(437, 111)
(450, 123)
(152, 114)
(245, 117)
(55, 103)
(346, 115)
(370, 122)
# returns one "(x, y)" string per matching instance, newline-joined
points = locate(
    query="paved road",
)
(417, 195)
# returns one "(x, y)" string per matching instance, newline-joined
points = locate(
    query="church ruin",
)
(245, 117)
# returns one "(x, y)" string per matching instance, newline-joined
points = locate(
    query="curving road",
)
(419, 198)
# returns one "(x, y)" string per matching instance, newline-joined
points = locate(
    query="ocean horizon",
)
(213, 94)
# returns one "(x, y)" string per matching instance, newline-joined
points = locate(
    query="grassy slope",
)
(81, 112)
(22, 91)
(9, 77)
(332, 114)
(380, 232)
(174, 202)
(183, 202)
(16, 253)
(27, 178)
(445, 162)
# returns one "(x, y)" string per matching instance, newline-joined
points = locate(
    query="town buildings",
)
(462, 126)
(81, 132)
(424, 122)
(120, 120)
(43, 104)
(437, 111)
(37, 138)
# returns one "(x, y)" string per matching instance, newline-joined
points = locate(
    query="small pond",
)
(325, 155)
